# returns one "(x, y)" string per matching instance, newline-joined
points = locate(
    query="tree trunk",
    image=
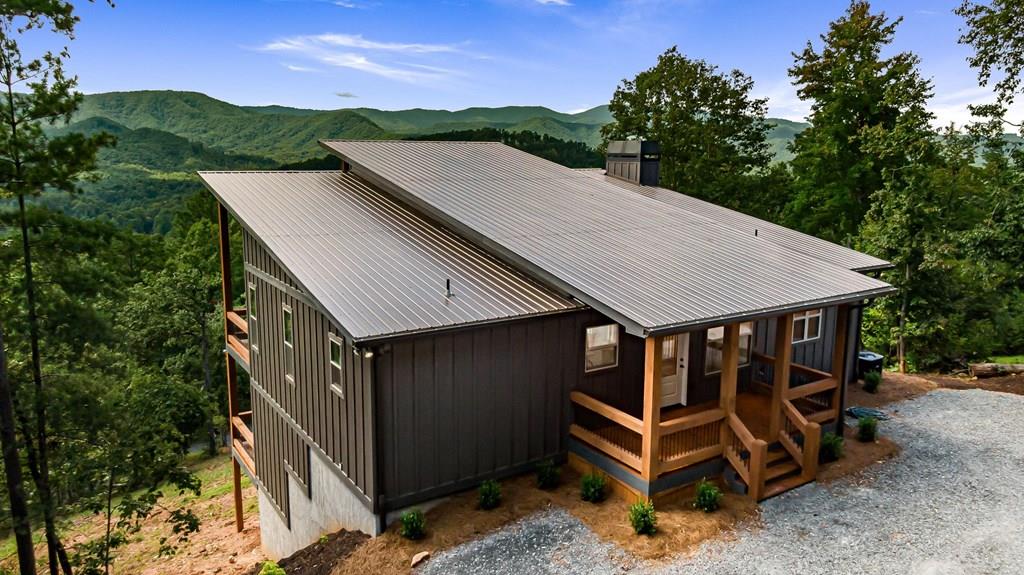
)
(204, 346)
(901, 346)
(996, 369)
(12, 471)
(55, 550)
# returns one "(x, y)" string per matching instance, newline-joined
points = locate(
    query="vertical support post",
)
(651, 439)
(758, 463)
(783, 360)
(728, 379)
(231, 371)
(839, 357)
(812, 444)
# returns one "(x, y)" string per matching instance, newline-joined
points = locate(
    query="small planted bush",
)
(592, 487)
(709, 496)
(831, 447)
(271, 568)
(867, 428)
(548, 474)
(414, 525)
(490, 494)
(642, 518)
(872, 380)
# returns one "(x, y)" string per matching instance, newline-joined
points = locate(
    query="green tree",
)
(994, 31)
(712, 132)
(856, 95)
(37, 93)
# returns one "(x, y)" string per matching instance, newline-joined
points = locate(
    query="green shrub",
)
(490, 494)
(548, 474)
(872, 379)
(271, 568)
(414, 525)
(592, 487)
(642, 518)
(867, 428)
(709, 496)
(831, 447)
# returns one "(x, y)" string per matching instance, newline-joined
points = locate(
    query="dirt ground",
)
(216, 548)
(457, 520)
(1005, 384)
(320, 558)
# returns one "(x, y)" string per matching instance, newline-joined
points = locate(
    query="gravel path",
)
(950, 504)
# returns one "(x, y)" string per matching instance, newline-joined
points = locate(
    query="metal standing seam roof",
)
(376, 267)
(651, 265)
(781, 235)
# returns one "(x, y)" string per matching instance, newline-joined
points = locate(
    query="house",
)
(436, 314)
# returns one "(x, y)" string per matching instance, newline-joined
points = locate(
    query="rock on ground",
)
(951, 503)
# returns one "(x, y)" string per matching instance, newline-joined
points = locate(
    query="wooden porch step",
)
(775, 455)
(775, 471)
(784, 485)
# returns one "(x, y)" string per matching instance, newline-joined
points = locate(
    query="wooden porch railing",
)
(740, 442)
(685, 440)
(817, 400)
(243, 440)
(801, 438)
(237, 333)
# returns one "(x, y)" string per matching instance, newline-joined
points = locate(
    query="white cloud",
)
(295, 68)
(554, 2)
(345, 4)
(352, 51)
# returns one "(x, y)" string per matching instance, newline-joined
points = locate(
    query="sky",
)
(568, 55)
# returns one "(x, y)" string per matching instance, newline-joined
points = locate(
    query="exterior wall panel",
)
(292, 418)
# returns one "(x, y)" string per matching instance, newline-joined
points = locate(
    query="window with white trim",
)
(289, 343)
(806, 325)
(602, 347)
(337, 364)
(716, 342)
(250, 306)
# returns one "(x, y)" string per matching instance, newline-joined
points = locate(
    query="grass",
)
(1007, 359)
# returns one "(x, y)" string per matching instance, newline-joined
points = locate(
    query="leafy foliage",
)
(568, 153)
(867, 429)
(413, 525)
(271, 568)
(872, 380)
(708, 497)
(549, 475)
(592, 487)
(643, 518)
(831, 447)
(489, 495)
(712, 132)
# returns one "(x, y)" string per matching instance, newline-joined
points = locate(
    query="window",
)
(806, 325)
(602, 347)
(289, 344)
(716, 341)
(336, 345)
(669, 355)
(251, 318)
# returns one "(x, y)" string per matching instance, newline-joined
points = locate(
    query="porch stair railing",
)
(746, 454)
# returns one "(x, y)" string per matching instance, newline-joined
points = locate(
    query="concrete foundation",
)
(328, 506)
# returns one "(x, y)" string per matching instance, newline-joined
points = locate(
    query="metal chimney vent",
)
(635, 161)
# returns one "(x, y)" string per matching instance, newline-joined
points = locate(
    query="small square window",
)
(716, 341)
(602, 347)
(806, 325)
(337, 366)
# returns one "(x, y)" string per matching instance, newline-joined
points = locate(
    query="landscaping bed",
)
(320, 558)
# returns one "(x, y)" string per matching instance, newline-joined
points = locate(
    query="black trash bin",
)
(868, 361)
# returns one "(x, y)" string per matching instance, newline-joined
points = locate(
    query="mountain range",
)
(165, 136)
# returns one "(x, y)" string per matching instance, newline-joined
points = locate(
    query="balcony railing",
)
(238, 333)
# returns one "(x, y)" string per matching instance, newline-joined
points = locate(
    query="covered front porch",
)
(763, 430)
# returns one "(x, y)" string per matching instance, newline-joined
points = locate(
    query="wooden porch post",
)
(651, 437)
(783, 359)
(839, 357)
(224, 225)
(730, 368)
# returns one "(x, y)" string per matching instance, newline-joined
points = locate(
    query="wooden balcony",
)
(243, 442)
(237, 334)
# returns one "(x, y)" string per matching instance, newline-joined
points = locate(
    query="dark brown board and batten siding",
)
(458, 407)
(306, 414)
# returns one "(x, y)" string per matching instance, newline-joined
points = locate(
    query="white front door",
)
(675, 351)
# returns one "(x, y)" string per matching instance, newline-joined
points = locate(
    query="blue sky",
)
(565, 54)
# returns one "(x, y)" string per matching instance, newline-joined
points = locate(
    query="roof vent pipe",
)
(447, 287)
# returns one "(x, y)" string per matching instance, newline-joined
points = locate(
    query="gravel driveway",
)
(952, 503)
